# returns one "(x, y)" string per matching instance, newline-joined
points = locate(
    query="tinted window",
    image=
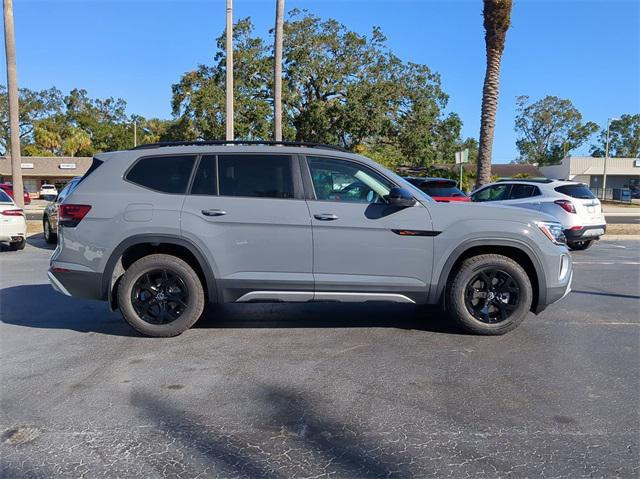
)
(492, 193)
(441, 188)
(576, 191)
(205, 182)
(168, 174)
(5, 198)
(519, 192)
(338, 180)
(264, 176)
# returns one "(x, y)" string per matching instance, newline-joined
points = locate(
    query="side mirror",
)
(401, 198)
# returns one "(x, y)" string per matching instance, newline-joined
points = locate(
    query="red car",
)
(8, 189)
(443, 190)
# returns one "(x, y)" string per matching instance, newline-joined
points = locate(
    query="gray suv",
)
(161, 230)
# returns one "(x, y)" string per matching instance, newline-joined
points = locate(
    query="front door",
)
(364, 249)
(255, 226)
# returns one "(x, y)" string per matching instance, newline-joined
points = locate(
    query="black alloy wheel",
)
(160, 296)
(492, 295)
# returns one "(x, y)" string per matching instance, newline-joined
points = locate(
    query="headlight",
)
(553, 231)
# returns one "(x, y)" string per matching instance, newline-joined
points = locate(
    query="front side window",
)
(492, 193)
(263, 176)
(345, 181)
(167, 174)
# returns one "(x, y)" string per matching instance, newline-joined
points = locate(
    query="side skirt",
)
(304, 296)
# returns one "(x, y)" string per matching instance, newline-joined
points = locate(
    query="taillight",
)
(71, 215)
(566, 205)
(13, 213)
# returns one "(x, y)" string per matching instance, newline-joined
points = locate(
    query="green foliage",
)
(339, 87)
(549, 129)
(75, 125)
(624, 138)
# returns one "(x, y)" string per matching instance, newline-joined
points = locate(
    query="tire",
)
(154, 277)
(18, 245)
(579, 245)
(502, 307)
(49, 236)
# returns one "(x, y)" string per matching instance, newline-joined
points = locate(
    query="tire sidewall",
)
(468, 272)
(175, 265)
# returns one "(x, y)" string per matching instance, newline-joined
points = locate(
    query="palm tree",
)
(12, 92)
(277, 72)
(497, 17)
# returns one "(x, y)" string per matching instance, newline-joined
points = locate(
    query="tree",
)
(34, 105)
(497, 18)
(549, 129)
(339, 87)
(624, 138)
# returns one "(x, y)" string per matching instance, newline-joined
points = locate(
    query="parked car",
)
(50, 215)
(8, 189)
(572, 204)
(13, 226)
(48, 192)
(440, 189)
(160, 230)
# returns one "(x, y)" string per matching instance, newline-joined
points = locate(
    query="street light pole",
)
(229, 83)
(12, 91)
(135, 133)
(277, 72)
(606, 157)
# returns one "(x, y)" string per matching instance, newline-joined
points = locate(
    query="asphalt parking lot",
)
(322, 390)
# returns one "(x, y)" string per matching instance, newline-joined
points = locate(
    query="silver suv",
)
(161, 230)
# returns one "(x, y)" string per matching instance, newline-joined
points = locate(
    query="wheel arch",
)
(135, 247)
(520, 252)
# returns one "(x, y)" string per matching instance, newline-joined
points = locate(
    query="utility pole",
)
(277, 72)
(12, 86)
(135, 132)
(606, 157)
(229, 85)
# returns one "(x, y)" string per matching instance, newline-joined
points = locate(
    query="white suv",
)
(573, 204)
(48, 191)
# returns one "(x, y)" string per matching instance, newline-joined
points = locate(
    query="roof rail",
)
(527, 180)
(237, 142)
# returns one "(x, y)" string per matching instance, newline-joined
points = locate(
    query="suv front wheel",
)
(161, 295)
(490, 294)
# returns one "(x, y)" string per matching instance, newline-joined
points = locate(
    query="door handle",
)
(325, 217)
(213, 212)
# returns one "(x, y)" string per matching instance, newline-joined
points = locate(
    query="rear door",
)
(363, 249)
(249, 213)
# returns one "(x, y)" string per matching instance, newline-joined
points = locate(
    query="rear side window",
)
(263, 176)
(576, 191)
(206, 181)
(167, 174)
(519, 192)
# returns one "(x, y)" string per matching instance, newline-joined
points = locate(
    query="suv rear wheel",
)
(579, 245)
(490, 294)
(49, 235)
(161, 295)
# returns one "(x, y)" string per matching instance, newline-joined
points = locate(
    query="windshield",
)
(5, 198)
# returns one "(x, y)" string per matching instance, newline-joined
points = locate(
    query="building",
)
(621, 172)
(37, 170)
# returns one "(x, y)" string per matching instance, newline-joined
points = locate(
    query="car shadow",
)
(39, 306)
(37, 241)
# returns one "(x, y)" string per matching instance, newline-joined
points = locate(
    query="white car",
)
(573, 204)
(13, 225)
(48, 191)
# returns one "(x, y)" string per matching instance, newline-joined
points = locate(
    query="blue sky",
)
(588, 52)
